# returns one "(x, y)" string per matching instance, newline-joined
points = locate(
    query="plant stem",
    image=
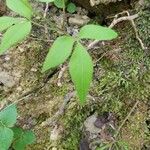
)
(64, 15)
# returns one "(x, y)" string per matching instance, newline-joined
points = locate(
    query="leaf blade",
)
(59, 52)
(22, 138)
(97, 32)
(6, 22)
(18, 31)
(21, 7)
(8, 116)
(81, 70)
(6, 137)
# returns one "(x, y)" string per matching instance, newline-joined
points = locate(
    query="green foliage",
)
(19, 138)
(81, 70)
(22, 7)
(123, 145)
(15, 34)
(104, 147)
(96, 32)
(60, 3)
(22, 138)
(71, 8)
(6, 137)
(8, 116)
(17, 28)
(80, 66)
(59, 52)
(6, 22)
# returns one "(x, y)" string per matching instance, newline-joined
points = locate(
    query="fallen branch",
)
(60, 75)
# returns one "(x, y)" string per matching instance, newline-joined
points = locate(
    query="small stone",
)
(89, 124)
(79, 20)
(6, 79)
(84, 145)
(55, 133)
(33, 69)
(7, 58)
(101, 120)
(21, 49)
(19, 88)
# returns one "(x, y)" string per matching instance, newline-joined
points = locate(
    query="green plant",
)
(117, 145)
(10, 135)
(71, 7)
(80, 65)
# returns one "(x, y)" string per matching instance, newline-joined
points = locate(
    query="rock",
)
(6, 79)
(89, 124)
(79, 20)
(102, 120)
(56, 133)
(84, 145)
(73, 31)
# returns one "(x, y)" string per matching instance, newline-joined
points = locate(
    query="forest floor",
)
(119, 94)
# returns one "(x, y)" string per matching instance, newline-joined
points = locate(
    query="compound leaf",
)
(21, 7)
(6, 22)
(15, 34)
(59, 52)
(81, 70)
(97, 32)
(8, 116)
(6, 137)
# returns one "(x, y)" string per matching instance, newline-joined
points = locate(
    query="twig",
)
(129, 18)
(60, 112)
(45, 26)
(64, 15)
(46, 10)
(39, 39)
(63, 69)
(18, 100)
(104, 54)
(114, 22)
(136, 33)
(122, 124)
(126, 118)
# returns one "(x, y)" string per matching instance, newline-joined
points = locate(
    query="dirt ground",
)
(121, 80)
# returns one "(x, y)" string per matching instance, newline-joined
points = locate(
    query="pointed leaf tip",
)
(81, 71)
(97, 32)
